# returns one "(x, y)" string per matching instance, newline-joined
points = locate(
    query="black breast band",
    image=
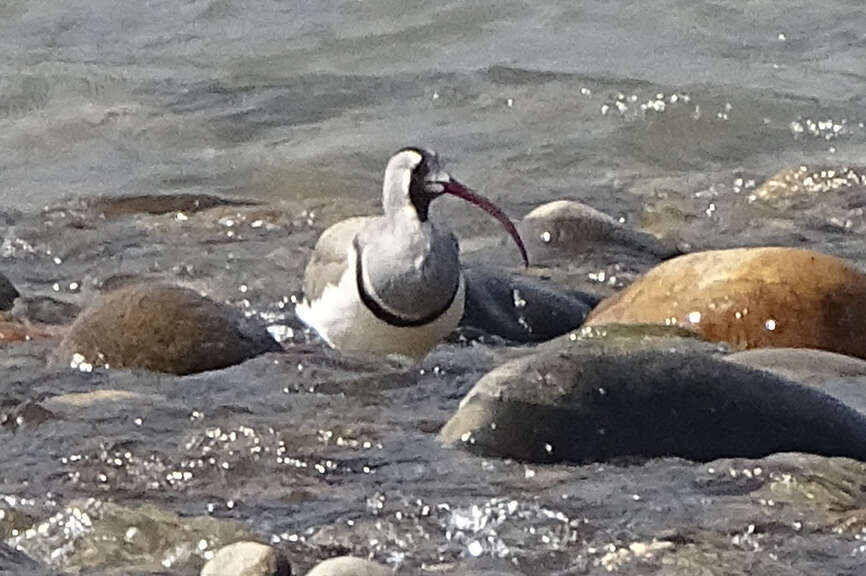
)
(389, 317)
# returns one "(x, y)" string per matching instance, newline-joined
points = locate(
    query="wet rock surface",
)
(44, 310)
(521, 308)
(247, 559)
(803, 183)
(120, 540)
(165, 329)
(349, 566)
(114, 207)
(568, 227)
(751, 298)
(579, 399)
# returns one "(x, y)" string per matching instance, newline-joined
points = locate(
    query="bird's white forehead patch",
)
(407, 159)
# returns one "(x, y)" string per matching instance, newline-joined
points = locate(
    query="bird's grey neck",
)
(396, 200)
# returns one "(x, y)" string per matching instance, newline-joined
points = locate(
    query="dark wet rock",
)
(24, 414)
(8, 293)
(44, 310)
(841, 376)
(247, 559)
(16, 563)
(349, 566)
(751, 298)
(519, 308)
(164, 329)
(587, 402)
(118, 540)
(567, 226)
(112, 207)
(809, 181)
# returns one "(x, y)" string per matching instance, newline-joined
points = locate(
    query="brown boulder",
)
(751, 298)
(164, 329)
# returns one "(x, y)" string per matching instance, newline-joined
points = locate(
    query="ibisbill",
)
(392, 284)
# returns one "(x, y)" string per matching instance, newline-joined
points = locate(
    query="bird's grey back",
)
(329, 258)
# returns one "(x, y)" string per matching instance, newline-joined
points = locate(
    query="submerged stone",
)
(247, 559)
(519, 308)
(751, 298)
(798, 181)
(583, 402)
(164, 329)
(117, 540)
(113, 207)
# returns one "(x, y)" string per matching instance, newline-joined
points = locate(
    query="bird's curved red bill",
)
(457, 189)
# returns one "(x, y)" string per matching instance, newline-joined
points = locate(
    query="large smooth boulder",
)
(593, 401)
(751, 298)
(571, 227)
(164, 329)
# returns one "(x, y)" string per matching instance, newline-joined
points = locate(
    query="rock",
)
(121, 540)
(797, 181)
(112, 207)
(841, 376)
(349, 566)
(751, 298)
(519, 308)
(247, 559)
(8, 293)
(588, 401)
(44, 310)
(25, 414)
(164, 329)
(573, 227)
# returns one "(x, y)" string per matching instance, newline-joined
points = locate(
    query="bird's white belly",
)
(345, 323)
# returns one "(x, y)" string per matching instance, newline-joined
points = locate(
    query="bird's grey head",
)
(413, 178)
